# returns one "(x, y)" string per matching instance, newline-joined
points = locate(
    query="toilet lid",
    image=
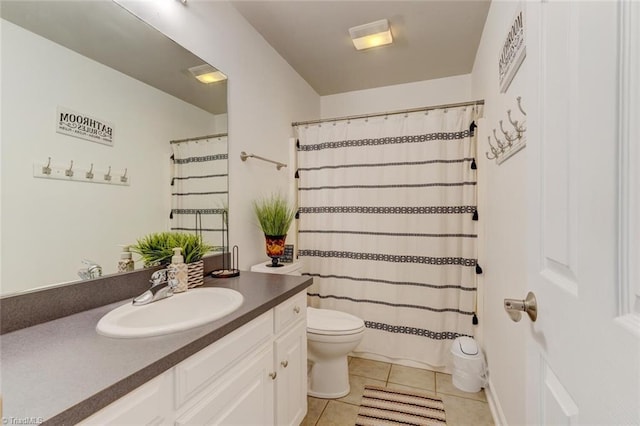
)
(326, 321)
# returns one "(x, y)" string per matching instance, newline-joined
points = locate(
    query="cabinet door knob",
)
(284, 363)
(296, 309)
(273, 375)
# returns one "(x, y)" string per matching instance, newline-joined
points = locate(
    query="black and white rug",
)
(382, 406)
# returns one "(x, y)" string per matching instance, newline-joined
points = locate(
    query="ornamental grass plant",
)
(157, 248)
(274, 215)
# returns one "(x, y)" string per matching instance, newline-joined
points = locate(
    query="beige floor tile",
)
(414, 377)
(315, 407)
(369, 368)
(411, 389)
(444, 385)
(466, 412)
(338, 414)
(357, 384)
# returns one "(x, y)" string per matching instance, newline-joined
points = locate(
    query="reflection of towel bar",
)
(244, 156)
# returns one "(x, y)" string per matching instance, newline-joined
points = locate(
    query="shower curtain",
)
(387, 230)
(199, 187)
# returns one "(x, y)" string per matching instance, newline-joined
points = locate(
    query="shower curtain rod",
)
(199, 138)
(381, 114)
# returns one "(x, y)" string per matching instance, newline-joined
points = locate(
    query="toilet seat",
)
(328, 322)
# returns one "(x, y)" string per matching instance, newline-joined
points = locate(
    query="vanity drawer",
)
(290, 311)
(199, 370)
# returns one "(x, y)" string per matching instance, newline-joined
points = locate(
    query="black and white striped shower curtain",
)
(200, 185)
(387, 230)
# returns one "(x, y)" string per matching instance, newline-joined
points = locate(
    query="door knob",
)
(284, 363)
(515, 307)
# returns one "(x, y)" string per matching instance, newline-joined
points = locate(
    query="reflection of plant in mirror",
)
(274, 215)
(157, 248)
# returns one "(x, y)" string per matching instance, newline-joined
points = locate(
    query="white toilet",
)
(331, 336)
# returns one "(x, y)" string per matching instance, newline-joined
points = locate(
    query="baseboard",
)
(494, 405)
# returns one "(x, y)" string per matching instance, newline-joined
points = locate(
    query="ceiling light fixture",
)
(372, 34)
(207, 74)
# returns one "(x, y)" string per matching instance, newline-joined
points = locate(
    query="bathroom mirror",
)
(129, 92)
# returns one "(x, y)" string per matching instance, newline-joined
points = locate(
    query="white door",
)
(584, 364)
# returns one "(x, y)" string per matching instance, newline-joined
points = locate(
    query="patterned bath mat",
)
(382, 406)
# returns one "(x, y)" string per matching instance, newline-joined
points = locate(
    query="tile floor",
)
(462, 408)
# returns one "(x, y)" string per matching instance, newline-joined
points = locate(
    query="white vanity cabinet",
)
(290, 328)
(255, 375)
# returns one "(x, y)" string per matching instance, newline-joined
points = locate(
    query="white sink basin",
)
(179, 312)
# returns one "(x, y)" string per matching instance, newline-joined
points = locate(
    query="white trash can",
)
(469, 368)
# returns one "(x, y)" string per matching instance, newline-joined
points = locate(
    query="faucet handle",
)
(158, 277)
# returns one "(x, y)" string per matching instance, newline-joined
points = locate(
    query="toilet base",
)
(329, 379)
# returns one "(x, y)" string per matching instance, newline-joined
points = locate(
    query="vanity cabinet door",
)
(243, 397)
(291, 381)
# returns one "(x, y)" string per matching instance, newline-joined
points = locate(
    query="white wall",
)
(265, 96)
(402, 96)
(502, 210)
(49, 226)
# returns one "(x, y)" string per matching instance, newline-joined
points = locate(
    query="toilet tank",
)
(294, 268)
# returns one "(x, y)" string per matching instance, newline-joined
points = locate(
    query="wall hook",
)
(46, 170)
(507, 136)
(90, 172)
(124, 178)
(519, 129)
(107, 177)
(501, 146)
(519, 98)
(69, 171)
(494, 151)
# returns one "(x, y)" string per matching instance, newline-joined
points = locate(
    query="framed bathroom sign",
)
(287, 257)
(83, 126)
(513, 51)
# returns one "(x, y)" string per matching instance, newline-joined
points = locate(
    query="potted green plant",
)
(157, 249)
(274, 215)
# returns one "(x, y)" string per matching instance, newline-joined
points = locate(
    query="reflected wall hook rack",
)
(47, 170)
(244, 156)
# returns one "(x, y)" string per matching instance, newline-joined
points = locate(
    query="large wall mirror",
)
(129, 91)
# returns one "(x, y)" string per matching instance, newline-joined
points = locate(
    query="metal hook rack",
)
(514, 140)
(47, 170)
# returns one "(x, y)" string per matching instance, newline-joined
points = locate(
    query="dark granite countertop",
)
(62, 371)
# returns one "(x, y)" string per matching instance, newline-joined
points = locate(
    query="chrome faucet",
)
(93, 270)
(161, 288)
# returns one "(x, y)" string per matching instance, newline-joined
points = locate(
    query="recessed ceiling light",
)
(370, 35)
(207, 74)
